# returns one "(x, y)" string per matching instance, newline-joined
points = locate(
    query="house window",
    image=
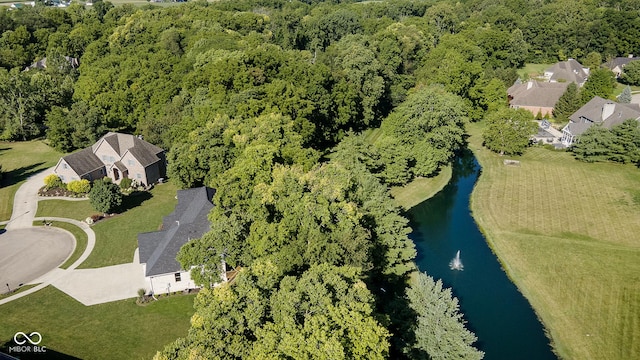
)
(62, 178)
(130, 162)
(138, 176)
(178, 278)
(64, 166)
(104, 158)
(112, 159)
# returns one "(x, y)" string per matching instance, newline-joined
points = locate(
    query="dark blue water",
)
(501, 318)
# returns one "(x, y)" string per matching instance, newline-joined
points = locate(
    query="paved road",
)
(31, 255)
(26, 254)
(25, 202)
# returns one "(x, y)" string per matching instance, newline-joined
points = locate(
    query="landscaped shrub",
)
(105, 196)
(53, 181)
(125, 183)
(79, 186)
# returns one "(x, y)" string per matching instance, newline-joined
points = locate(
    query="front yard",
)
(115, 330)
(116, 237)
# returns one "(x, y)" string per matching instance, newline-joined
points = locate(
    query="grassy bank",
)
(20, 160)
(115, 330)
(566, 233)
(421, 189)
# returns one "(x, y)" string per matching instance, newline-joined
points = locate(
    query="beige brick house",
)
(117, 156)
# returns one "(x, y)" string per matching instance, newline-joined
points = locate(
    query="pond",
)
(501, 318)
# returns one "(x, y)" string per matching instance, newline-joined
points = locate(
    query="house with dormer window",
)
(116, 156)
(597, 111)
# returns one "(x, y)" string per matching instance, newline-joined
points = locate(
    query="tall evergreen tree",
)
(625, 96)
(568, 103)
(439, 330)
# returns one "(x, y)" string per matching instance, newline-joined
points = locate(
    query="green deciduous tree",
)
(631, 73)
(593, 60)
(105, 196)
(77, 128)
(439, 331)
(422, 134)
(508, 131)
(326, 313)
(601, 82)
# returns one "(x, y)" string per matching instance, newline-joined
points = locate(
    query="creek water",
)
(501, 318)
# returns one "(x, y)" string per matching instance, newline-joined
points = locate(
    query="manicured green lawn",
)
(117, 237)
(20, 160)
(620, 87)
(420, 189)
(78, 210)
(567, 234)
(533, 70)
(115, 330)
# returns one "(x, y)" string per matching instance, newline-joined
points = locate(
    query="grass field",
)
(117, 237)
(533, 70)
(78, 210)
(115, 330)
(567, 234)
(420, 189)
(20, 160)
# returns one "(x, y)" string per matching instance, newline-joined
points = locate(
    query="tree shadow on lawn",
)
(16, 175)
(134, 200)
(10, 348)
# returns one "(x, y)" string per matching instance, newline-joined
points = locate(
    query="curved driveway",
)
(88, 286)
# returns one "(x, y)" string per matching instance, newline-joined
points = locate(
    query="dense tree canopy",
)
(326, 313)
(301, 114)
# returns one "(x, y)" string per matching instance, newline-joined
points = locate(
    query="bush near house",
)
(105, 196)
(82, 186)
(52, 181)
(125, 183)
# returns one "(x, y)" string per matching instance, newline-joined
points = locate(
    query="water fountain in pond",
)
(456, 263)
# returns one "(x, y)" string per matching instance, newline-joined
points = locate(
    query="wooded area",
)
(266, 101)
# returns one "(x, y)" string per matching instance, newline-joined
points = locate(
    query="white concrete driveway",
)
(88, 286)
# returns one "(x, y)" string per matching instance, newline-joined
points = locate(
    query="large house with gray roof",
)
(597, 111)
(538, 97)
(158, 249)
(116, 156)
(616, 65)
(567, 71)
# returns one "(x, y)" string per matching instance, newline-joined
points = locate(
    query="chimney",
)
(607, 110)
